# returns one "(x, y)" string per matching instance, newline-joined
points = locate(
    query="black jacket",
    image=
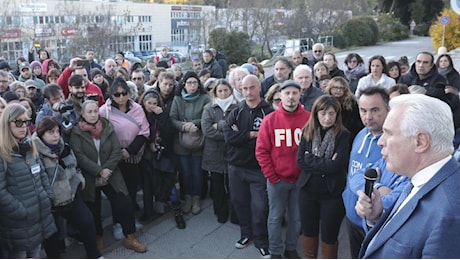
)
(240, 147)
(317, 170)
(432, 78)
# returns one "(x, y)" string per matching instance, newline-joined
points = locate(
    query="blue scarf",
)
(190, 97)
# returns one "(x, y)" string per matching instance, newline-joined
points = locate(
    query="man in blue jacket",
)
(373, 109)
(424, 222)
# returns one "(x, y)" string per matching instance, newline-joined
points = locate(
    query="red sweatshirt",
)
(91, 89)
(277, 143)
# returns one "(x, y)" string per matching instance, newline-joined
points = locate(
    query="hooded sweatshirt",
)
(364, 153)
(277, 143)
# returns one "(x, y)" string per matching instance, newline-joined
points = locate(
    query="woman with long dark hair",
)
(323, 157)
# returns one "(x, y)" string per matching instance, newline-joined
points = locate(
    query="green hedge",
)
(391, 28)
(360, 31)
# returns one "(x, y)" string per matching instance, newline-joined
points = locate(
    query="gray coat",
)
(214, 153)
(64, 181)
(192, 110)
(82, 144)
(25, 203)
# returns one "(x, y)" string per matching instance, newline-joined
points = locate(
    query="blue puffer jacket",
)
(25, 203)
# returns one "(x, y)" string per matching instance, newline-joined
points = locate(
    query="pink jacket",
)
(127, 125)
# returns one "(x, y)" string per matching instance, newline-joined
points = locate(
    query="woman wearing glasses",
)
(132, 129)
(25, 192)
(354, 70)
(186, 111)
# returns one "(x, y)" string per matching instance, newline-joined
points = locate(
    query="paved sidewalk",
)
(203, 238)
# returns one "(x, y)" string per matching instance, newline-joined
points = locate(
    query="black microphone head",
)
(370, 174)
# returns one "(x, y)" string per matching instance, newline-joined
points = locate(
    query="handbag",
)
(192, 140)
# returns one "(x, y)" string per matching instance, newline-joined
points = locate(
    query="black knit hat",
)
(93, 72)
(191, 74)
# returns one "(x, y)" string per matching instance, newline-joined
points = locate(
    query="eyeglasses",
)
(137, 78)
(315, 51)
(353, 61)
(3, 81)
(191, 83)
(338, 88)
(20, 123)
(118, 94)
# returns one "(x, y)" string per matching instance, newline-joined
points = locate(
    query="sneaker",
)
(242, 243)
(118, 232)
(264, 253)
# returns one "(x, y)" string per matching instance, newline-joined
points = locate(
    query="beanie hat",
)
(9, 96)
(34, 64)
(191, 74)
(93, 72)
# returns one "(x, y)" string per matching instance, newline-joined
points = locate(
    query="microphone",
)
(370, 175)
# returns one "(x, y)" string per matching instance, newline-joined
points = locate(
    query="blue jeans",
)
(248, 194)
(192, 174)
(282, 196)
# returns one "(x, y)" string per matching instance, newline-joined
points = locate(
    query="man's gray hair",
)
(424, 114)
(302, 67)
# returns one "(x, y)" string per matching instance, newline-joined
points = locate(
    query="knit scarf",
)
(356, 72)
(323, 148)
(224, 104)
(444, 71)
(94, 129)
(190, 97)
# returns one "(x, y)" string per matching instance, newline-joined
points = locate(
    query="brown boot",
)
(132, 243)
(329, 251)
(309, 247)
(100, 243)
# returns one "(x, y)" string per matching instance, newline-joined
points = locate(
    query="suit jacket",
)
(428, 226)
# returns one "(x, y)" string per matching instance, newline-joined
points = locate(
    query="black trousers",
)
(122, 209)
(79, 217)
(322, 209)
(132, 174)
(220, 194)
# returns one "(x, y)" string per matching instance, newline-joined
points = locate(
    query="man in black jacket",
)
(248, 186)
(423, 72)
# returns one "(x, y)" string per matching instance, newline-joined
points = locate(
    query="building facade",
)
(67, 28)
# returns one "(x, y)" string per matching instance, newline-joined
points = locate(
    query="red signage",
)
(69, 31)
(11, 33)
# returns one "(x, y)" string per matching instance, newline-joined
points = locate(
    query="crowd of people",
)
(288, 150)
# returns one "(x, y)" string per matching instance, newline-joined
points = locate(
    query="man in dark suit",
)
(425, 220)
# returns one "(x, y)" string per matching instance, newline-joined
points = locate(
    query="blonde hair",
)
(7, 140)
(348, 99)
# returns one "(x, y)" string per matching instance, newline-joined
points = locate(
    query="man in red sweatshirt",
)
(92, 90)
(276, 152)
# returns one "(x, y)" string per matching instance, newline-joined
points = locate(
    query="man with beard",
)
(92, 91)
(276, 152)
(110, 70)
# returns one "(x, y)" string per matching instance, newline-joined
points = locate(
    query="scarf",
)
(190, 97)
(444, 71)
(55, 148)
(94, 129)
(23, 146)
(224, 104)
(238, 95)
(323, 148)
(356, 72)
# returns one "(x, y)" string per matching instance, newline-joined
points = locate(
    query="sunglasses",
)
(118, 94)
(277, 100)
(316, 51)
(20, 123)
